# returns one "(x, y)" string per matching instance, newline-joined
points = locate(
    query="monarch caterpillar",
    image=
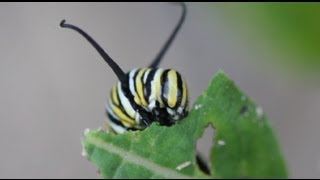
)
(144, 95)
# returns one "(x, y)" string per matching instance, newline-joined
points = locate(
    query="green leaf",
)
(244, 144)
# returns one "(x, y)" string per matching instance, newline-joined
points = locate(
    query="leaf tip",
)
(86, 131)
(221, 74)
(221, 142)
(220, 71)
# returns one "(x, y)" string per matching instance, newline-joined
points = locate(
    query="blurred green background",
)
(289, 30)
(54, 84)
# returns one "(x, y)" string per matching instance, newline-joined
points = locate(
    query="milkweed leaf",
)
(245, 145)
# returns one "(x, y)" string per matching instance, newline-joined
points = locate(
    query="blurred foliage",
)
(290, 31)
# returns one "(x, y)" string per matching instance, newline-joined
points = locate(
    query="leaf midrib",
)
(136, 159)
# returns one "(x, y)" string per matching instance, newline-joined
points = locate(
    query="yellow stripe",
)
(184, 93)
(114, 95)
(124, 118)
(139, 87)
(159, 87)
(146, 75)
(137, 100)
(173, 88)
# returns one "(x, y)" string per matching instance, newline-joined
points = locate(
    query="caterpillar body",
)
(154, 94)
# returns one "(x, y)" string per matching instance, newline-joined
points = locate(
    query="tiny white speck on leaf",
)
(221, 143)
(183, 165)
(86, 131)
(197, 106)
(259, 112)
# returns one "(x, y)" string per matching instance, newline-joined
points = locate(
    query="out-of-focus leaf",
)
(290, 31)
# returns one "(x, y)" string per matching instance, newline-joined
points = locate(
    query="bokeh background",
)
(54, 84)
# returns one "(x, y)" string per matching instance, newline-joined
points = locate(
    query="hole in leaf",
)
(244, 109)
(204, 145)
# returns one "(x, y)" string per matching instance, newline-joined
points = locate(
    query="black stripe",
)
(135, 83)
(127, 93)
(148, 83)
(131, 129)
(180, 90)
(134, 80)
(118, 97)
(125, 90)
(120, 103)
(144, 86)
(164, 86)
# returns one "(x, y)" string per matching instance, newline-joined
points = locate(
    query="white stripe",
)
(118, 129)
(137, 118)
(152, 105)
(155, 94)
(145, 77)
(126, 103)
(110, 111)
(132, 82)
(170, 111)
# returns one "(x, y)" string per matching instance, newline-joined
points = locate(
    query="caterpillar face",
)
(153, 95)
